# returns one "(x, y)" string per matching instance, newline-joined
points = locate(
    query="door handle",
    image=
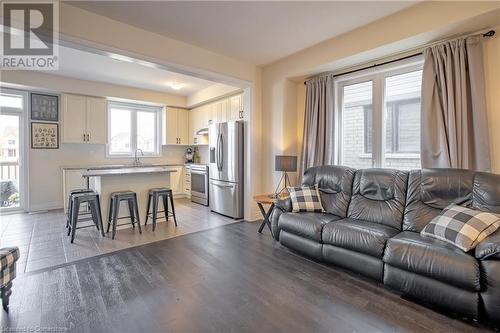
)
(84, 138)
(221, 152)
(219, 185)
(218, 153)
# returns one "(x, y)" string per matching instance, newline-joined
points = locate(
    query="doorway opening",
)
(13, 106)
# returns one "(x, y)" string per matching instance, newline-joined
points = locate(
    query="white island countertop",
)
(126, 171)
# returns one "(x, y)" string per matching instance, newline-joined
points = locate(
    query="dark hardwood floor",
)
(225, 279)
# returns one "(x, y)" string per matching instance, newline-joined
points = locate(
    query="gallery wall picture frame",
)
(44, 135)
(44, 107)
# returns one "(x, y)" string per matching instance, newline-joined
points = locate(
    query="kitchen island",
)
(138, 179)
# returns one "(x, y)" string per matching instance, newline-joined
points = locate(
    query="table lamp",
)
(284, 163)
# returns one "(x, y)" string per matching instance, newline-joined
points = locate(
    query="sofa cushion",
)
(358, 235)
(433, 258)
(334, 184)
(486, 192)
(431, 190)
(309, 225)
(379, 195)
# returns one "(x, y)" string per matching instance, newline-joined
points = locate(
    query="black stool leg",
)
(173, 208)
(93, 213)
(131, 212)
(5, 293)
(155, 209)
(147, 209)
(165, 205)
(110, 214)
(74, 217)
(99, 214)
(136, 207)
(68, 208)
(116, 210)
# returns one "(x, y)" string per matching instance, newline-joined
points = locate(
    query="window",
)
(131, 127)
(356, 125)
(380, 118)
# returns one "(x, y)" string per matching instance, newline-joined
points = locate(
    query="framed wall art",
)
(44, 107)
(44, 135)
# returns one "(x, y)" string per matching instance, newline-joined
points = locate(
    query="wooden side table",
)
(266, 199)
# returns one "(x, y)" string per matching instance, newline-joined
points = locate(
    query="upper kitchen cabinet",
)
(177, 126)
(236, 108)
(83, 119)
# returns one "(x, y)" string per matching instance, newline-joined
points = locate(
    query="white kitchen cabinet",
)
(177, 180)
(73, 117)
(236, 107)
(177, 126)
(96, 120)
(187, 181)
(227, 109)
(83, 119)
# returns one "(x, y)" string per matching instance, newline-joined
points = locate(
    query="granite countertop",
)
(118, 166)
(126, 171)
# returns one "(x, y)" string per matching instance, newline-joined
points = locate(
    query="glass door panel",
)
(9, 161)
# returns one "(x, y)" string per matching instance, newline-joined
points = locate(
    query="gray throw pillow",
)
(461, 226)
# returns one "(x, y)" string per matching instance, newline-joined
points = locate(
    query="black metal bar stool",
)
(114, 210)
(70, 202)
(92, 199)
(155, 195)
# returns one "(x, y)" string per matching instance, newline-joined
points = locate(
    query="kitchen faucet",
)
(137, 161)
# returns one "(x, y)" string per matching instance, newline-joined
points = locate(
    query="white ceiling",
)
(257, 32)
(95, 67)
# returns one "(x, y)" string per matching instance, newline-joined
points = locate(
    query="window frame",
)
(134, 108)
(377, 76)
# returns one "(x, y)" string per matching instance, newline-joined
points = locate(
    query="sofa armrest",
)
(284, 204)
(281, 206)
(489, 248)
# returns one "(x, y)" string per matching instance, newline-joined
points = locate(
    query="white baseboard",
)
(46, 206)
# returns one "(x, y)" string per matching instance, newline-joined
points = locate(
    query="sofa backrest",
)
(486, 192)
(431, 190)
(379, 195)
(334, 183)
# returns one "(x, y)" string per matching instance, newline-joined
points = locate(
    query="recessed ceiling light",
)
(175, 85)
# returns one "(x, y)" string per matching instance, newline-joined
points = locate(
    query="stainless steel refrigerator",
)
(226, 168)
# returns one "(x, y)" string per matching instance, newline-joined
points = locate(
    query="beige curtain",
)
(454, 120)
(319, 129)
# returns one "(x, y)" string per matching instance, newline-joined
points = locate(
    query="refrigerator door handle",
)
(221, 150)
(217, 153)
(220, 185)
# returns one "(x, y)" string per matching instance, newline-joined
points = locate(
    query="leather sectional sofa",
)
(372, 226)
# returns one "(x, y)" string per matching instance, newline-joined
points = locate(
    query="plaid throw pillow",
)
(305, 199)
(463, 227)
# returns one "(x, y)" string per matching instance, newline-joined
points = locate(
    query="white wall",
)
(113, 36)
(211, 93)
(45, 166)
(57, 83)
(282, 105)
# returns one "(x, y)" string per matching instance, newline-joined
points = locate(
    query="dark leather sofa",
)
(372, 226)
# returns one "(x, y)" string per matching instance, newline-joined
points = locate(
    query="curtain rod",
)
(490, 33)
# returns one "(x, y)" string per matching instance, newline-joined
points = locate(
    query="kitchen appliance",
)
(226, 168)
(199, 183)
(189, 155)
